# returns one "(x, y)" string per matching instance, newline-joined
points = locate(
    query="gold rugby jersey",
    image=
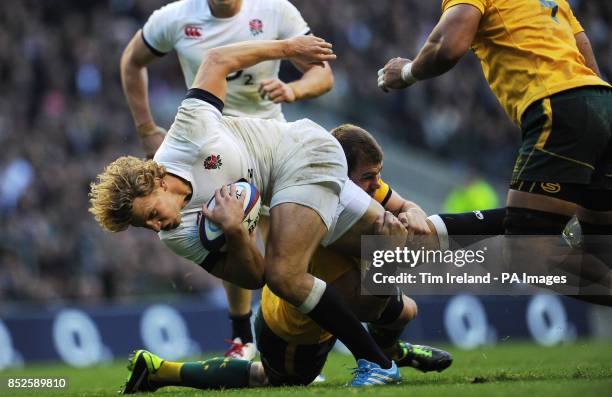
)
(528, 51)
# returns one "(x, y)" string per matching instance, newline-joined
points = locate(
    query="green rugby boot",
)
(421, 357)
(141, 364)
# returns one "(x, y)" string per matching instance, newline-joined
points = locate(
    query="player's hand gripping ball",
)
(212, 236)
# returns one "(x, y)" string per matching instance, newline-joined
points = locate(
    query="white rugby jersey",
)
(189, 27)
(210, 151)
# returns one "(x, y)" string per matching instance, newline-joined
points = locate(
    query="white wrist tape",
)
(441, 231)
(407, 74)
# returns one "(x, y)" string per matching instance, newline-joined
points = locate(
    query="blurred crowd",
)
(63, 117)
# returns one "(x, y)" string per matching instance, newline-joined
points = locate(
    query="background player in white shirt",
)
(192, 27)
(300, 170)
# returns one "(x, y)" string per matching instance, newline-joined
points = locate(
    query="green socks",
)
(216, 373)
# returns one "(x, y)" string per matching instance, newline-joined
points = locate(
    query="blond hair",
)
(112, 194)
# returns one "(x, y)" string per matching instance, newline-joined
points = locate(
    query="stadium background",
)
(63, 117)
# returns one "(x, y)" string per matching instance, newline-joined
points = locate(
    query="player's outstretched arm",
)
(220, 62)
(317, 79)
(447, 43)
(134, 81)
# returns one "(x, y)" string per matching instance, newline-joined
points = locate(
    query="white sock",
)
(313, 298)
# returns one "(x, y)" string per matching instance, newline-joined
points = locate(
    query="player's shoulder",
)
(482, 5)
(271, 6)
(181, 8)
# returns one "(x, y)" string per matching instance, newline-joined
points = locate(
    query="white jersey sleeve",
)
(196, 123)
(160, 31)
(185, 240)
(291, 23)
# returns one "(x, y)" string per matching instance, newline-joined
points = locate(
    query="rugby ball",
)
(212, 236)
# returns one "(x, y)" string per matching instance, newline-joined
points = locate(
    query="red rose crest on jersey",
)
(256, 26)
(213, 162)
(193, 32)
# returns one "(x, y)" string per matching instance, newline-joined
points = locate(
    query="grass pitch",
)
(582, 369)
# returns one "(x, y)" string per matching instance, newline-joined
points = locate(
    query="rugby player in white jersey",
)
(191, 27)
(293, 349)
(300, 171)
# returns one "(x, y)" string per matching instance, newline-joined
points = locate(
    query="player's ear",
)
(162, 183)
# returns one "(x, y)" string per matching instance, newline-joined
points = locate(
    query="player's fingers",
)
(222, 192)
(325, 48)
(230, 192)
(233, 191)
(391, 63)
(277, 95)
(271, 86)
(409, 226)
(261, 88)
(276, 91)
(381, 83)
(378, 224)
(409, 222)
(394, 224)
(267, 82)
(423, 227)
(324, 52)
(381, 72)
(387, 223)
(321, 55)
(218, 197)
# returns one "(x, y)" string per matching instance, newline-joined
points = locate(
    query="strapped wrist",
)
(407, 75)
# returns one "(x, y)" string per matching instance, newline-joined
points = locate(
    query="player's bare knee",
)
(410, 309)
(277, 282)
(285, 286)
